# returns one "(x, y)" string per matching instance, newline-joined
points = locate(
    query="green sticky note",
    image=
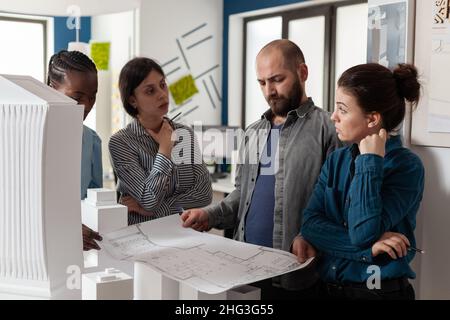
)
(183, 89)
(100, 54)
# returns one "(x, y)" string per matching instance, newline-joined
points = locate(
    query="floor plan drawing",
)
(208, 263)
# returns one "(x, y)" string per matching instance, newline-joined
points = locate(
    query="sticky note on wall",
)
(183, 89)
(100, 52)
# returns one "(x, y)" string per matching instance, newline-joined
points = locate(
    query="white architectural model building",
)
(150, 284)
(110, 284)
(101, 213)
(40, 219)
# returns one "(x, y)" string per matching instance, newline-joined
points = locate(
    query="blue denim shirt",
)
(347, 214)
(91, 161)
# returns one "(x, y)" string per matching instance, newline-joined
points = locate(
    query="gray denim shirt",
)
(305, 140)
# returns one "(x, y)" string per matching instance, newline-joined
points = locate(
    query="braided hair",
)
(64, 61)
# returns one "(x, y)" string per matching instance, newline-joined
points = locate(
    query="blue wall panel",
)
(63, 35)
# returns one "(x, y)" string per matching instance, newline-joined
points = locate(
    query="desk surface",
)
(223, 185)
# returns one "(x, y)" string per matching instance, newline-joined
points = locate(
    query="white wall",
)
(146, 32)
(433, 229)
(162, 23)
(119, 30)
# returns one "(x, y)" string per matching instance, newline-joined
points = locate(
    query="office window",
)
(24, 46)
(332, 37)
(351, 29)
(313, 47)
(259, 33)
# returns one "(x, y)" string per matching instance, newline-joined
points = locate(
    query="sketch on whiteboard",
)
(183, 73)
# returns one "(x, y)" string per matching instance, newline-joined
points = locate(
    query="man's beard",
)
(281, 105)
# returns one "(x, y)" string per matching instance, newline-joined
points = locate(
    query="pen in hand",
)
(416, 250)
(176, 116)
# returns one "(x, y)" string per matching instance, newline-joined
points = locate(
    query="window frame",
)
(44, 23)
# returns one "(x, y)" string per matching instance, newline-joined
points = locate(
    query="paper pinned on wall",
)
(100, 52)
(439, 100)
(388, 32)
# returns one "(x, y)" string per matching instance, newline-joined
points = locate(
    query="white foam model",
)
(101, 197)
(40, 220)
(101, 213)
(110, 284)
(150, 284)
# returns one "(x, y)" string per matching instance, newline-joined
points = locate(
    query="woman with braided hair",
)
(75, 75)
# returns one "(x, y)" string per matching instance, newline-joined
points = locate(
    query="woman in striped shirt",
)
(156, 177)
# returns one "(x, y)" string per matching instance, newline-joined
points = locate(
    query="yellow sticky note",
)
(100, 54)
(183, 89)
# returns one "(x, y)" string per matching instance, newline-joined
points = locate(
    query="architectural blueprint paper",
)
(206, 262)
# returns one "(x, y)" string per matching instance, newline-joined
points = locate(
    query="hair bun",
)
(408, 85)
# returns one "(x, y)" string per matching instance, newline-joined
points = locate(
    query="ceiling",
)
(61, 7)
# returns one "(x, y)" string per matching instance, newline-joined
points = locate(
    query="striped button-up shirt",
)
(162, 186)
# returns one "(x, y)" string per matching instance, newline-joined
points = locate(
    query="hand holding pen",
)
(395, 244)
(416, 249)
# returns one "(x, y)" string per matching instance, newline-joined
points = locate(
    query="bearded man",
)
(281, 157)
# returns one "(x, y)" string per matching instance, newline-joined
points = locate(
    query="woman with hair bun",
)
(362, 214)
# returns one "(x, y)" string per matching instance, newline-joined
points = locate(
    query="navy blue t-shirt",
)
(259, 220)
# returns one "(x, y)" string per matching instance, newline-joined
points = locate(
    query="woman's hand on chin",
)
(374, 144)
(164, 138)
